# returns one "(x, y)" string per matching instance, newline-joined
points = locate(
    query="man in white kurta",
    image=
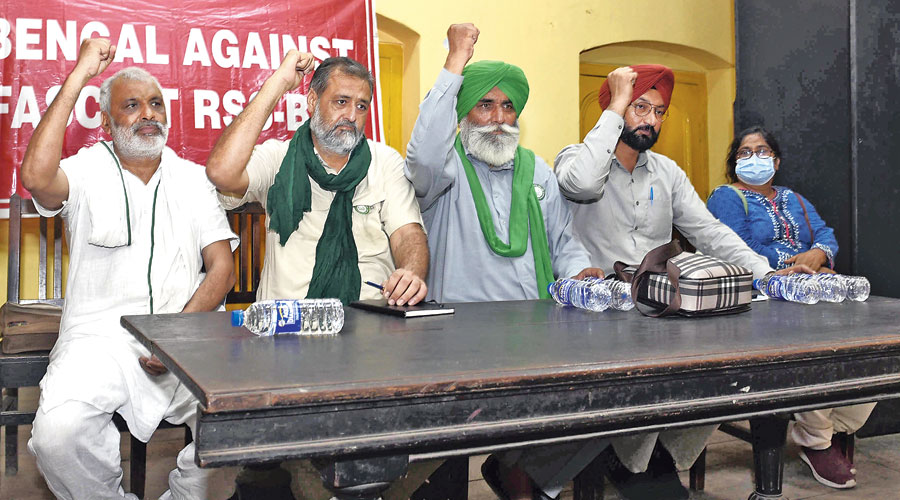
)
(137, 238)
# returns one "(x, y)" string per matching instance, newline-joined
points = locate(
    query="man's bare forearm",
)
(409, 246)
(41, 174)
(228, 159)
(219, 278)
(227, 163)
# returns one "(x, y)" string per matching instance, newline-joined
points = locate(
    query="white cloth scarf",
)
(109, 211)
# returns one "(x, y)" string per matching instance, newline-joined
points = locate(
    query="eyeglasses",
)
(761, 153)
(644, 108)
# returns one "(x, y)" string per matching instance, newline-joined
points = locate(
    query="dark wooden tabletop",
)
(508, 372)
(490, 344)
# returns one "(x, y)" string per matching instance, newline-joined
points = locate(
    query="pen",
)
(376, 285)
(651, 196)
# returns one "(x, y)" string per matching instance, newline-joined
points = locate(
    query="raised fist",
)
(462, 38)
(294, 67)
(94, 56)
(621, 88)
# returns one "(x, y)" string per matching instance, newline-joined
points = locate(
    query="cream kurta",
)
(382, 203)
(95, 359)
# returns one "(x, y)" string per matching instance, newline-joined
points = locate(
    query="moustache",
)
(153, 123)
(344, 123)
(648, 128)
(501, 127)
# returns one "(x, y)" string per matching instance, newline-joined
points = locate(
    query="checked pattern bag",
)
(706, 285)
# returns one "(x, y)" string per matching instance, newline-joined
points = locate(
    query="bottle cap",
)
(237, 318)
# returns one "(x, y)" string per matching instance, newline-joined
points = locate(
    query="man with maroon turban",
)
(625, 199)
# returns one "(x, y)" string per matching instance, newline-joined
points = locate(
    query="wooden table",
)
(511, 374)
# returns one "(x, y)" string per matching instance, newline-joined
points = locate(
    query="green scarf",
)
(525, 216)
(336, 272)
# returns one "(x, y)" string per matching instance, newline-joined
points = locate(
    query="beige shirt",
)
(382, 202)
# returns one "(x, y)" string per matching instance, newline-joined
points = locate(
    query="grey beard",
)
(131, 145)
(339, 142)
(493, 149)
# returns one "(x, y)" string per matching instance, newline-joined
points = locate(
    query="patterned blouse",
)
(775, 229)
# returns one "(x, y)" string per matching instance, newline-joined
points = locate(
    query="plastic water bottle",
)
(297, 317)
(790, 287)
(858, 288)
(620, 292)
(588, 295)
(834, 287)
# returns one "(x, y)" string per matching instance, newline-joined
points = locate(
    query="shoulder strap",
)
(741, 196)
(812, 236)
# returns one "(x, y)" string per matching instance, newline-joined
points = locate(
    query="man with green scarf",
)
(497, 226)
(340, 211)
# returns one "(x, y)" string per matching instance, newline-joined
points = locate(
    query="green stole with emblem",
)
(525, 216)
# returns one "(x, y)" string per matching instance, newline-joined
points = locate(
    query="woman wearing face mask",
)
(784, 227)
(775, 221)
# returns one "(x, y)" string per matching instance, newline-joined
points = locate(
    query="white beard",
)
(482, 143)
(339, 142)
(131, 145)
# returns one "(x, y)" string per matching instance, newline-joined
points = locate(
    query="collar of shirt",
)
(327, 168)
(642, 161)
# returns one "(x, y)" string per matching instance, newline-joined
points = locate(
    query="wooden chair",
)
(249, 223)
(27, 369)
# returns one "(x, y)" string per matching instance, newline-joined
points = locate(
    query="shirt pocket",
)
(368, 228)
(658, 216)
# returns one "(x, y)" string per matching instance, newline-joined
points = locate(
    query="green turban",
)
(479, 78)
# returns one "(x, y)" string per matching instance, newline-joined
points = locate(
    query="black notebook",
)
(417, 311)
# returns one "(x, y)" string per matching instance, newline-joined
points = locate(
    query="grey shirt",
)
(463, 266)
(622, 216)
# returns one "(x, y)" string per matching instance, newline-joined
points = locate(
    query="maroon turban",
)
(648, 76)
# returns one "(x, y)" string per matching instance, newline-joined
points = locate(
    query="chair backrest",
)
(249, 223)
(51, 240)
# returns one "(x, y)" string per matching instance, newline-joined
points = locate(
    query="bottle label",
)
(288, 317)
(774, 287)
(565, 291)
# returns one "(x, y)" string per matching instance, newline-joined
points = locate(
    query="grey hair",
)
(343, 64)
(130, 73)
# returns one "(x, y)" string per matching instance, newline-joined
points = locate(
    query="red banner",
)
(210, 57)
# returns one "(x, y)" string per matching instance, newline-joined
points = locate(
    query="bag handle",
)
(658, 261)
(619, 268)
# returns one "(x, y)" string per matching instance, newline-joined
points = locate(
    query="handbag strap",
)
(658, 261)
(619, 268)
(812, 236)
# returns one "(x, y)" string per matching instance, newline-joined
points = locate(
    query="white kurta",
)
(95, 360)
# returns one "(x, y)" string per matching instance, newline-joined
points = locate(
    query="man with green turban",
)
(498, 228)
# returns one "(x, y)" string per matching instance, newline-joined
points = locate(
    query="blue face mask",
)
(755, 171)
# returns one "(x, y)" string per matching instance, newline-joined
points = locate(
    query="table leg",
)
(768, 436)
(363, 479)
